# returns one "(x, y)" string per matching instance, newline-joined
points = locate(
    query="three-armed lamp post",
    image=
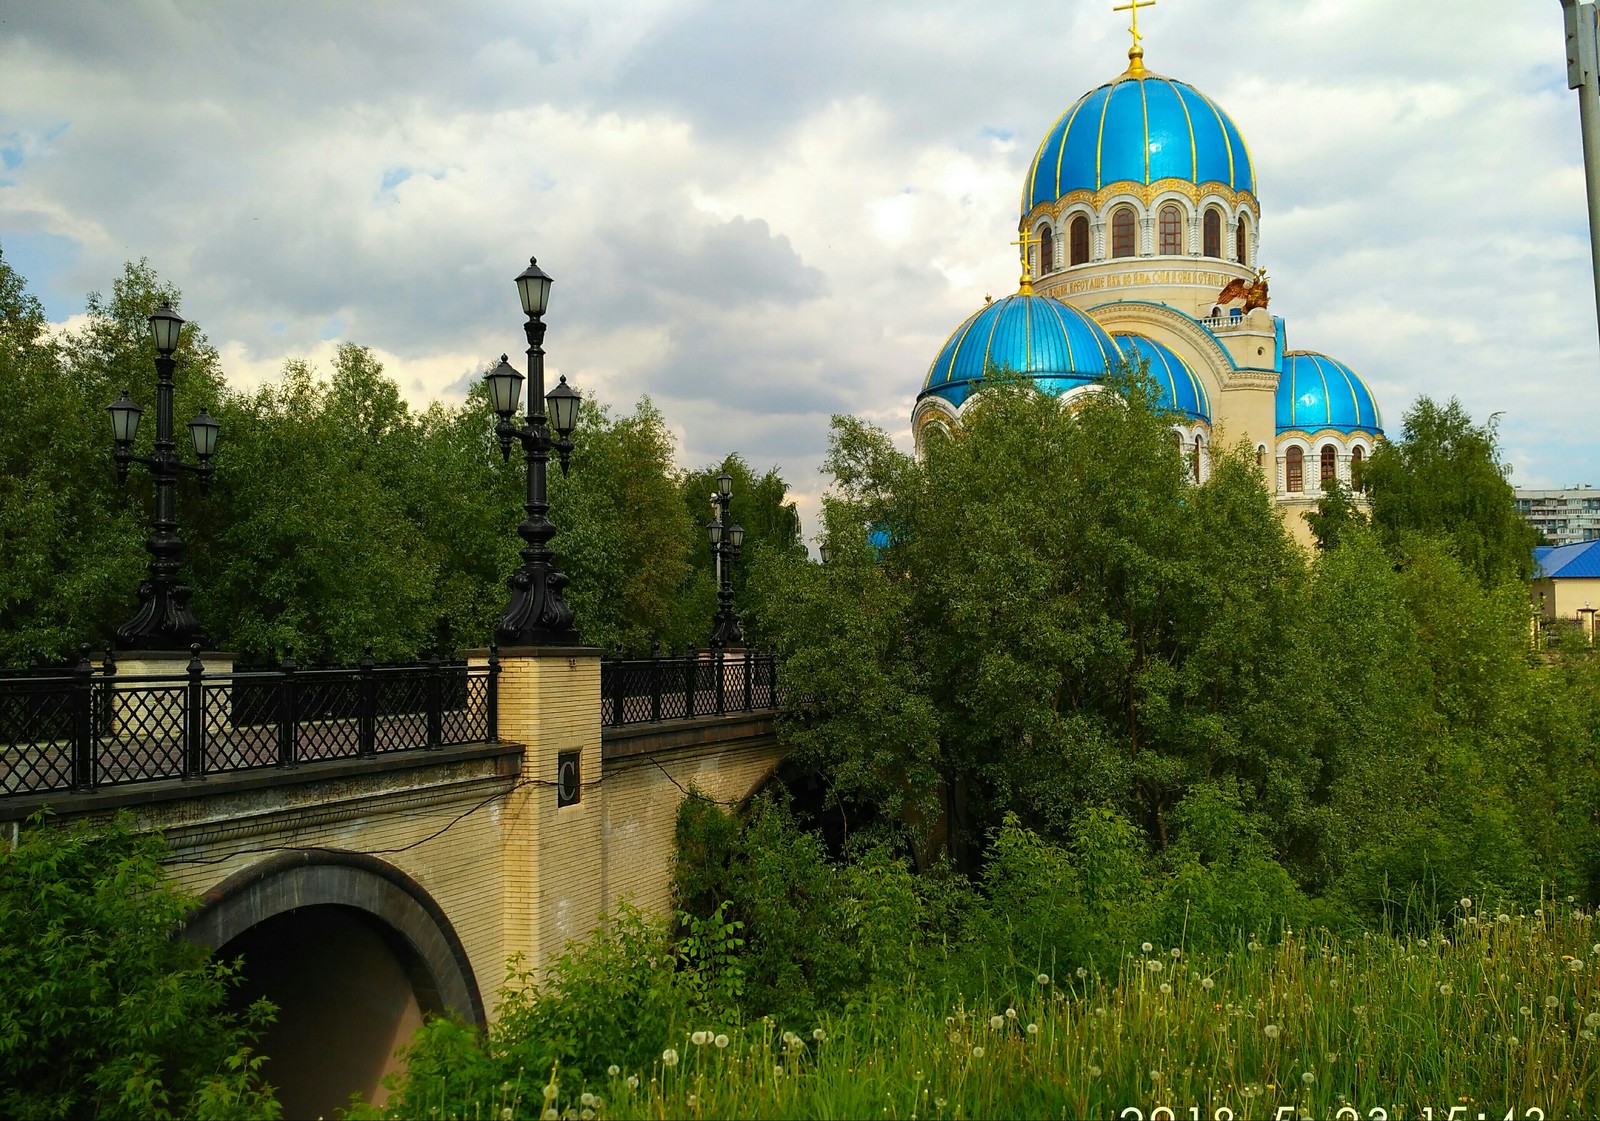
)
(537, 614)
(163, 620)
(726, 541)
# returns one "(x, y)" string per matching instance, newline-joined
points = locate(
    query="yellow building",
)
(1140, 225)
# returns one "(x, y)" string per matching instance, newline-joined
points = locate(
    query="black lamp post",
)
(537, 614)
(163, 620)
(726, 541)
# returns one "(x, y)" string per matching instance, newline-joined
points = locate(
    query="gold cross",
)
(1027, 241)
(1025, 285)
(1132, 7)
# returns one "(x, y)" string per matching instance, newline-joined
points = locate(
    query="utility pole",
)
(1583, 75)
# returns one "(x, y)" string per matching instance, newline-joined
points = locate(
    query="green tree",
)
(1443, 477)
(1061, 619)
(103, 1013)
(1336, 516)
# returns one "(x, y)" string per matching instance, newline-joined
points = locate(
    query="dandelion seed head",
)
(669, 1057)
(1146, 947)
(1094, 1071)
(1165, 988)
(700, 1038)
(819, 1035)
(1011, 1013)
(1083, 973)
(1445, 988)
(550, 1092)
(1592, 1020)
(1155, 1076)
(1550, 1003)
(1207, 984)
(613, 1070)
(1308, 1078)
(1100, 1012)
(1502, 917)
(633, 1081)
(1043, 979)
(1254, 945)
(721, 1041)
(1154, 965)
(1466, 903)
(551, 1115)
(1033, 1029)
(505, 1113)
(996, 1023)
(587, 1100)
(1176, 953)
(977, 1052)
(1271, 1031)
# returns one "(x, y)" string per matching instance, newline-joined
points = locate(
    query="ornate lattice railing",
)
(83, 728)
(688, 685)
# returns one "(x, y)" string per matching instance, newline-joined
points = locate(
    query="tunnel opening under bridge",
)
(354, 954)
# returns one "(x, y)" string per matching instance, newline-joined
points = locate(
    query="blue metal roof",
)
(1056, 344)
(1316, 392)
(1568, 561)
(1180, 390)
(1140, 128)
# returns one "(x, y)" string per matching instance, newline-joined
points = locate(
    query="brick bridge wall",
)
(476, 828)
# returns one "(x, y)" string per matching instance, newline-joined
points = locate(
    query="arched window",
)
(1080, 240)
(1047, 251)
(1241, 243)
(1330, 465)
(1199, 454)
(1356, 456)
(1171, 230)
(1294, 476)
(1211, 232)
(1122, 244)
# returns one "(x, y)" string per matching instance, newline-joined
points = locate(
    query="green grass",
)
(1500, 1015)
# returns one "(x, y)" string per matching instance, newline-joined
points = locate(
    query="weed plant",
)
(1495, 1013)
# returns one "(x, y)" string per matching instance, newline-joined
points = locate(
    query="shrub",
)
(102, 1012)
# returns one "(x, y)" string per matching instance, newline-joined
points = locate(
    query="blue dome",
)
(1139, 128)
(1055, 343)
(1180, 390)
(1315, 392)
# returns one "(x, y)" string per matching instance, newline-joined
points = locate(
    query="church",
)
(1139, 226)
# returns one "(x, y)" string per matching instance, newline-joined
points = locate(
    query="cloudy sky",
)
(762, 213)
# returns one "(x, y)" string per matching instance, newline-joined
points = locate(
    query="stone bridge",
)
(369, 878)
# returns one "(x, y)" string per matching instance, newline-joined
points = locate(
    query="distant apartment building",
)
(1565, 517)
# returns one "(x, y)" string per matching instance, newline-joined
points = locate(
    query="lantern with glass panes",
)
(163, 620)
(537, 614)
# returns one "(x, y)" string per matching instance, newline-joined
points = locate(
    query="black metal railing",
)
(82, 728)
(683, 686)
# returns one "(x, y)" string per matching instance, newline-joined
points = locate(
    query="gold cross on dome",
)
(1027, 241)
(1135, 52)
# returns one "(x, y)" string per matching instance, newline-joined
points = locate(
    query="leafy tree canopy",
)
(1443, 477)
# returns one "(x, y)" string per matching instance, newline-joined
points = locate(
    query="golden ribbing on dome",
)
(1135, 52)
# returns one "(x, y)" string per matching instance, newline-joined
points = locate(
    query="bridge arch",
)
(353, 951)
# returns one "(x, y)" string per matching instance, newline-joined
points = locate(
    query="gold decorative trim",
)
(1146, 193)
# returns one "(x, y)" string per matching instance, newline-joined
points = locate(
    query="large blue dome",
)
(1316, 392)
(1055, 343)
(1179, 389)
(1139, 128)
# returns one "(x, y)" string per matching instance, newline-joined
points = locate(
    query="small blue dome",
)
(1139, 128)
(1055, 343)
(1316, 392)
(1180, 390)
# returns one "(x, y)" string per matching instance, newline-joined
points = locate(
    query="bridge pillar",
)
(553, 859)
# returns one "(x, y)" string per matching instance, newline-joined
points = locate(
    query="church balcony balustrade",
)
(1230, 323)
(86, 727)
